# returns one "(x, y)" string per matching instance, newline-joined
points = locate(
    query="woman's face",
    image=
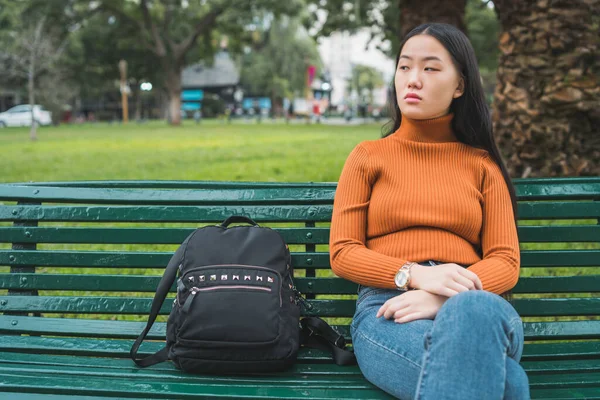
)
(425, 69)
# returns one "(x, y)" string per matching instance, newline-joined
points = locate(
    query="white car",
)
(21, 116)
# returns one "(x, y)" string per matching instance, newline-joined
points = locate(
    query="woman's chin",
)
(414, 114)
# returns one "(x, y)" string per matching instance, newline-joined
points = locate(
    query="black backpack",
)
(237, 309)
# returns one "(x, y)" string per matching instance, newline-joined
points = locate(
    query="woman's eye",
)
(404, 66)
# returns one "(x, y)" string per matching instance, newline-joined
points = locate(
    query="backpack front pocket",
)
(230, 304)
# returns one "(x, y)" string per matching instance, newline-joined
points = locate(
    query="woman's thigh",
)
(389, 354)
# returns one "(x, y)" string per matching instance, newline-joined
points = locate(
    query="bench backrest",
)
(98, 249)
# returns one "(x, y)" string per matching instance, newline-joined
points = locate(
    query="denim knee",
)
(482, 310)
(481, 305)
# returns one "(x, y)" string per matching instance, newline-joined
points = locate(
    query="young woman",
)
(424, 220)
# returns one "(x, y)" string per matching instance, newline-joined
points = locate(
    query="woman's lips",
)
(412, 100)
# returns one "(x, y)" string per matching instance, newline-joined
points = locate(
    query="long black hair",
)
(472, 121)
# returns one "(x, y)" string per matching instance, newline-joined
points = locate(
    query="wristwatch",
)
(402, 278)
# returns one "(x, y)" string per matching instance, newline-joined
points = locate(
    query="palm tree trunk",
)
(546, 113)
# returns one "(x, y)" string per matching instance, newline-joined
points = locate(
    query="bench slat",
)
(562, 234)
(107, 259)
(556, 210)
(120, 349)
(48, 363)
(127, 305)
(532, 190)
(283, 213)
(588, 393)
(130, 329)
(279, 213)
(540, 190)
(564, 380)
(45, 396)
(557, 351)
(166, 184)
(305, 356)
(139, 388)
(146, 283)
(127, 369)
(282, 195)
(536, 367)
(519, 183)
(141, 235)
(581, 233)
(327, 308)
(558, 284)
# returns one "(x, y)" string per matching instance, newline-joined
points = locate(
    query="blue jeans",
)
(471, 350)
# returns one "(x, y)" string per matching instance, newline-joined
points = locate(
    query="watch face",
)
(401, 278)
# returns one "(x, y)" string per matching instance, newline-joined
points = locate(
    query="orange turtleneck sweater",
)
(419, 194)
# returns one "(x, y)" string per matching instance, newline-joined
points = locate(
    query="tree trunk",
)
(546, 112)
(173, 86)
(31, 92)
(138, 104)
(416, 12)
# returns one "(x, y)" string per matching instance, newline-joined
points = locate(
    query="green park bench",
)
(81, 260)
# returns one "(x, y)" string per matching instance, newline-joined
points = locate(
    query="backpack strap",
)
(161, 293)
(317, 334)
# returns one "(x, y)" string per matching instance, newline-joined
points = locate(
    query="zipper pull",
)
(300, 297)
(188, 301)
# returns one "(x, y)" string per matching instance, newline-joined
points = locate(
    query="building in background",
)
(210, 88)
(340, 52)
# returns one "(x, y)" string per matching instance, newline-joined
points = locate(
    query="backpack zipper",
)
(236, 266)
(195, 290)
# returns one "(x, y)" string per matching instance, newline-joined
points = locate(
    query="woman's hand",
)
(444, 279)
(412, 305)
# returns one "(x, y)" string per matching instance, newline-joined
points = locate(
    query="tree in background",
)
(547, 98)
(276, 63)
(31, 49)
(173, 30)
(483, 28)
(94, 53)
(365, 79)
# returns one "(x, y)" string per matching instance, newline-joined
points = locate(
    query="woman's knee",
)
(479, 305)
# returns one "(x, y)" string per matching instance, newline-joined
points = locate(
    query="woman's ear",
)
(460, 89)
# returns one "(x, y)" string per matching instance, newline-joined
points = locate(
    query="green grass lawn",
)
(155, 151)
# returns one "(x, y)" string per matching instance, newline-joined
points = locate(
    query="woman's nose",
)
(414, 79)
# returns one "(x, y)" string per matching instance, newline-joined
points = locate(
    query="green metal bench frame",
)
(62, 331)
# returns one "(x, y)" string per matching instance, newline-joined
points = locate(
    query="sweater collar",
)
(433, 130)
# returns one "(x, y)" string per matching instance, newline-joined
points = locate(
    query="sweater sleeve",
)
(499, 267)
(350, 258)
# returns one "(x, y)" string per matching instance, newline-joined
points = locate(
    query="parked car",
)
(21, 116)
